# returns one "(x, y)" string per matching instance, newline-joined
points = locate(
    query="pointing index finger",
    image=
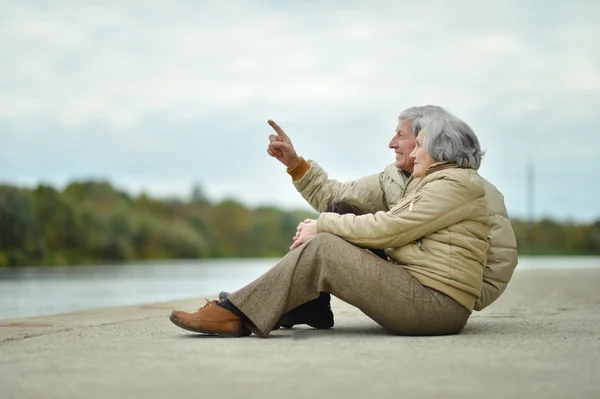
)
(277, 129)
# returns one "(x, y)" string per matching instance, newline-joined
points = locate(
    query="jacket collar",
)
(436, 167)
(398, 175)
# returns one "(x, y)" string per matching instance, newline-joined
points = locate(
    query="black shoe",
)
(320, 319)
(316, 313)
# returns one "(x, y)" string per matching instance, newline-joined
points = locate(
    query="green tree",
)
(19, 233)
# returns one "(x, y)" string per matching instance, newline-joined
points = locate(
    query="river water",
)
(35, 291)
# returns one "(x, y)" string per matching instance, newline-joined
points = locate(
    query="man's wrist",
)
(299, 169)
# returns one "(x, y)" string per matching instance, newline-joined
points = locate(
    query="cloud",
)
(157, 95)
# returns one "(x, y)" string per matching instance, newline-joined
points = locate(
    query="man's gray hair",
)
(416, 115)
(448, 138)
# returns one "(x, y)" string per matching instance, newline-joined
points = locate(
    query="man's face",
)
(403, 143)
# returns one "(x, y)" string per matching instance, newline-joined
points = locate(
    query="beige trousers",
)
(384, 291)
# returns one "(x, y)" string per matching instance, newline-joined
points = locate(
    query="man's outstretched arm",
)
(314, 184)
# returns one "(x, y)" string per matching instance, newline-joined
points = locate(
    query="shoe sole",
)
(235, 334)
(317, 326)
(289, 322)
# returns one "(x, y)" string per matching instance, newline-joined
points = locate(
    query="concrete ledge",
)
(541, 339)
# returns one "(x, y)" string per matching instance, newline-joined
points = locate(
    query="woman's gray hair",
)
(416, 115)
(450, 139)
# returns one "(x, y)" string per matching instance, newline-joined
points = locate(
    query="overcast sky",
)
(158, 95)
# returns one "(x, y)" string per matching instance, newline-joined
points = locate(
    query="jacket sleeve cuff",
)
(299, 169)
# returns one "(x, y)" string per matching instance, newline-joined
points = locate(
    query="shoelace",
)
(208, 303)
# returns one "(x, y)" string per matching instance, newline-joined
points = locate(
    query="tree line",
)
(93, 222)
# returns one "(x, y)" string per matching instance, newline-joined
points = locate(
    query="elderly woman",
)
(435, 240)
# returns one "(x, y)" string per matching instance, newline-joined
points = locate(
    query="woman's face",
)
(421, 157)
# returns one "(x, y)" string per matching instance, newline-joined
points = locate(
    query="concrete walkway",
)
(541, 339)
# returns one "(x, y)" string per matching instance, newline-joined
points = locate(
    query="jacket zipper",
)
(409, 204)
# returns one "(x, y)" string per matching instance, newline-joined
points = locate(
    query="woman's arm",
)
(439, 204)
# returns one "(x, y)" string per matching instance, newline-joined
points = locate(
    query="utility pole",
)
(530, 183)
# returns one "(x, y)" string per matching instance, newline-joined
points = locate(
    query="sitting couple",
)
(416, 247)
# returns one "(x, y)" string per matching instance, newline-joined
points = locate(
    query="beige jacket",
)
(502, 256)
(383, 191)
(438, 233)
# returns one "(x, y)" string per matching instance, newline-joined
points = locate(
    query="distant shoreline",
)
(93, 222)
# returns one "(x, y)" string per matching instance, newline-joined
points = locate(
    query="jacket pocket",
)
(418, 250)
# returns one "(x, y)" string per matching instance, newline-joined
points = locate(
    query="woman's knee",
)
(322, 250)
(326, 240)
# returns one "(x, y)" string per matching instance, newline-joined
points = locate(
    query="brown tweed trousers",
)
(383, 290)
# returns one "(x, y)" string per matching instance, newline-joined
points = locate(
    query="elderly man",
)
(381, 192)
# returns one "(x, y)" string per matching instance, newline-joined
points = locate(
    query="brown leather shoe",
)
(210, 319)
